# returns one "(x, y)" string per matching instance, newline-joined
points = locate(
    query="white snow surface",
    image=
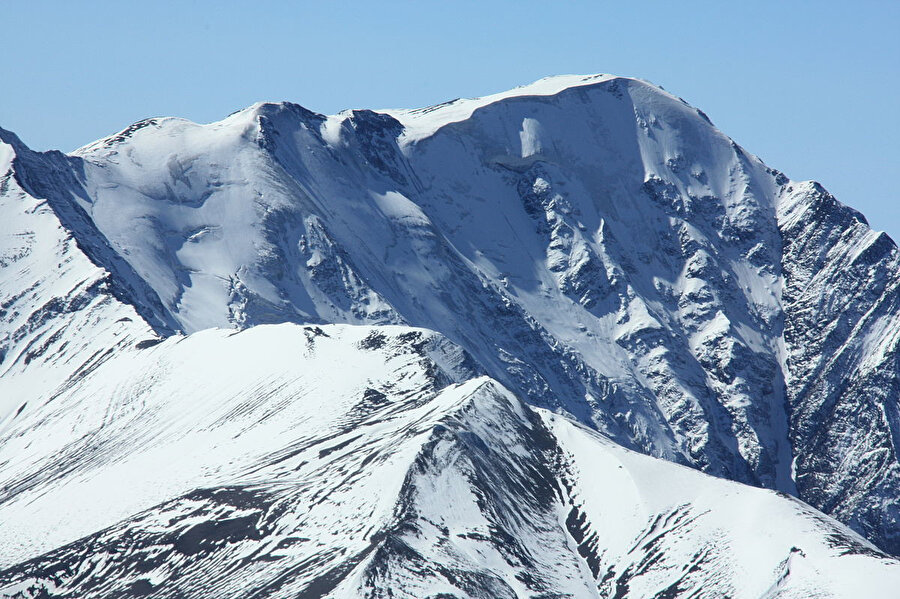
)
(487, 495)
(192, 412)
(420, 123)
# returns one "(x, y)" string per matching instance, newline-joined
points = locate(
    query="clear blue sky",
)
(813, 88)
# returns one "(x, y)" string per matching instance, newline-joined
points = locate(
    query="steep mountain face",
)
(251, 464)
(593, 245)
(842, 306)
(554, 252)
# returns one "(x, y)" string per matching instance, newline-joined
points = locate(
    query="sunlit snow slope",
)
(593, 245)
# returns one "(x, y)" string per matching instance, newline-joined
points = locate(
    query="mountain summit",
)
(542, 284)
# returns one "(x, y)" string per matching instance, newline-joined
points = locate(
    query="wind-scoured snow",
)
(236, 464)
(205, 411)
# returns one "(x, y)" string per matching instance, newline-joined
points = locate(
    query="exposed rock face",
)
(842, 309)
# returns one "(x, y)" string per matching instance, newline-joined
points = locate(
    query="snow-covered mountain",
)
(543, 281)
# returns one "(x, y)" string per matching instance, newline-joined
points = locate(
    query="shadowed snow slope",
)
(592, 244)
(252, 464)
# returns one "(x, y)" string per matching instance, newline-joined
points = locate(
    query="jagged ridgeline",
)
(418, 353)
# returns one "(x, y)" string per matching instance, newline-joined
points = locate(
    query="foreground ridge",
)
(392, 480)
